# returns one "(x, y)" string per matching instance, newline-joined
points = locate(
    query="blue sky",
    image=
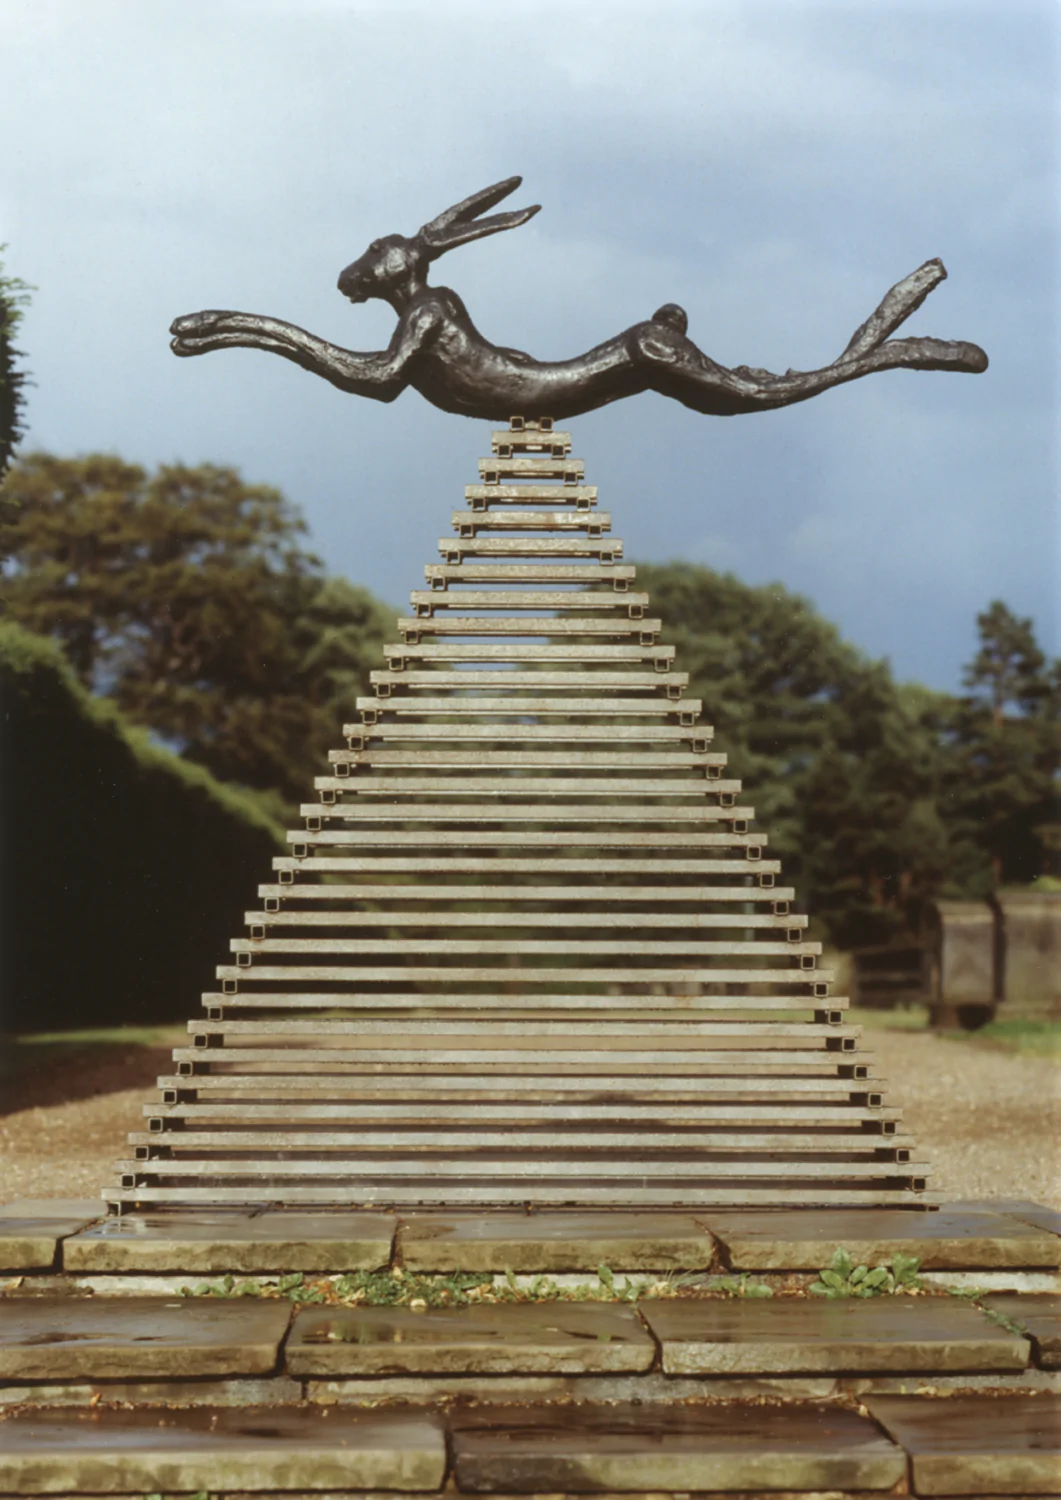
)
(774, 166)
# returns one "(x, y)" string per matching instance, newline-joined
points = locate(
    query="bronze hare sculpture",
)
(438, 350)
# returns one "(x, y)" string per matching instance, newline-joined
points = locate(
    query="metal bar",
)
(574, 679)
(556, 895)
(479, 495)
(624, 921)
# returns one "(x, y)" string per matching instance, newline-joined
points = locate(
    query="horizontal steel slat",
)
(550, 810)
(575, 1031)
(380, 1138)
(419, 1166)
(248, 998)
(618, 1195)
(754, 1114)
(547, 651)
(514, 494)
(571, 680)
(501, 974)
(556, 895)
(620, 947)
(636, 864)
(548, 733)
(517, 599)
(531, 520)
(617, 1085)
(693, 921)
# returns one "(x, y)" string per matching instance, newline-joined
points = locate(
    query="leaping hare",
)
(438, 350)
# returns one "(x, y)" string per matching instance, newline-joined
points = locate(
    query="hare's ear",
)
(460, 224)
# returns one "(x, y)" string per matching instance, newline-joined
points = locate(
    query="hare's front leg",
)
(380, 375)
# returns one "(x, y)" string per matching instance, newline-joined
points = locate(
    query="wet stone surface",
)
(32, 1244)
(553, 1242)
(911, 1334)
(523, 1450)
(977, 1445)
(128, 1338)
(1040, 1317)
(780, 1240)
(218, 1450)
(551, 1338)
(243, 1243)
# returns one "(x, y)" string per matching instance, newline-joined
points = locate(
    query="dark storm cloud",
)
(773, 167)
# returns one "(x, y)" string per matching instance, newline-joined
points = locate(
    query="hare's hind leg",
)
(676, 367)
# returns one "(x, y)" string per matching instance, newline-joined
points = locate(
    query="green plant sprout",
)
(842, 1278)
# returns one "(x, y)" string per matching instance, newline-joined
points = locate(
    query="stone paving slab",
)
(218, 1242)
(553, 1242)
(85, 1209)
(111, 1451)
(554, 1338)
(1028, 1212)
(800, 1239)
(976, 1445)
(1040, 1317)
(739, 1446)
(130, 1338)
(29, 1243)
(701, 1337)
(252, 1390)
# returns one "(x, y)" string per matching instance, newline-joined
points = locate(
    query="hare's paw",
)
(200, 325)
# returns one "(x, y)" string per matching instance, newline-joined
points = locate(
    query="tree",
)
(186, 597)
(14, 294)
(839, 763)
(1003, 739)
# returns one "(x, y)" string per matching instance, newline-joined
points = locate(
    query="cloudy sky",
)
(772, 165)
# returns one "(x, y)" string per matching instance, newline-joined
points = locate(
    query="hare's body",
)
(437, 349)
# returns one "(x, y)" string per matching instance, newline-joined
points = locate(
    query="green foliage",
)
(396, 1287)
(1000, 788)
(841, 764)
(14, 295)
(125, 869)
(742, 1285)
(187, 598)
(841, 1278)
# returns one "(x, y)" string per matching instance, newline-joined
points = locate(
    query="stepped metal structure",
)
(528, 948)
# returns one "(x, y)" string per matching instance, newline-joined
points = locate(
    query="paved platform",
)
(207, 1243)
(34, 1234)
(528, 1338)
(551, 1450)
(948, 1239)
(1040, 1317)
(106, 1389)
(973, 1445)
(554, 1242)
(202, 1450)
(797, 1337)
(68, 1338)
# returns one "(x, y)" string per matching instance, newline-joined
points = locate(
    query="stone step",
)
(952, 1238)
(561, 1338)
(132, 1338)
(219, 1450)
(743, 1447)
(964, 1445)
(1039, 1315)
(977, 1445)
(100, 1338)
(744, 1337)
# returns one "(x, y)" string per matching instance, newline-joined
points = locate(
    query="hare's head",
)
(394, 267)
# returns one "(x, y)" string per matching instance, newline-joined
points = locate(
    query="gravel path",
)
(988, 1121)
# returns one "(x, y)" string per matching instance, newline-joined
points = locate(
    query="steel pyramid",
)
(528, 948)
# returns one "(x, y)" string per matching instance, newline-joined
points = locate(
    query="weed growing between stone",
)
(842, 1278)
(398, 1288)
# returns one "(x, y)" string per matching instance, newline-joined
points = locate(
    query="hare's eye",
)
(376, 245)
